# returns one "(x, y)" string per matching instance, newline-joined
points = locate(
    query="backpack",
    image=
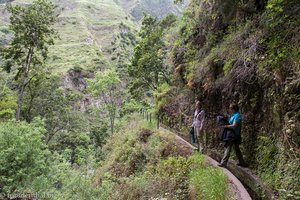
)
(192, 135)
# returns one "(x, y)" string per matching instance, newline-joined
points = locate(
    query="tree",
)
(106, 85)
(8, 100)
(23, 155)
(33, 32)
(147, 68)
(47, 98)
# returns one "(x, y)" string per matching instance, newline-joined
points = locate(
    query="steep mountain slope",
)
(90, 30)
(85, 30)
(159, 8)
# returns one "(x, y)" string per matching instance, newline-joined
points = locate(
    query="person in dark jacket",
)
(227, 134)
(235, 124)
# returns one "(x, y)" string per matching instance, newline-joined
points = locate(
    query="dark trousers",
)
(228, 147)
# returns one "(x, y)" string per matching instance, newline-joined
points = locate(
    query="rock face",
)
(238, 67)
(76, 78)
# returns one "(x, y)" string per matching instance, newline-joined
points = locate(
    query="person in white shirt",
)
(198, 124)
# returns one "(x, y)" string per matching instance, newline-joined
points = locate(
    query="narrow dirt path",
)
(236, 187)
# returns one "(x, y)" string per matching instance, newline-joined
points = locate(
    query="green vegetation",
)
(23, 155)
(208, 183)
(86, 29)
(147, 69)
(156, 8)
(137, 162)
(8, 98)
(247, 52)
(33, 32)
(144, 164)
(106, 85)
(78, 135)
(27, 165)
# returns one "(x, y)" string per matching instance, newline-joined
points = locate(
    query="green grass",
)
(86, 30)
(208, 183)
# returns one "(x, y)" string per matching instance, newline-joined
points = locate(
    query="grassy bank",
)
(141, 162)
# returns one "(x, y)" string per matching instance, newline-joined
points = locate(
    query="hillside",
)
(71, 126)
(92, 33)
(138, 162)
(86, 29)
(159, 8)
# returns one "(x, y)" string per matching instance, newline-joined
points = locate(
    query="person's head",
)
(233, 107)
(198, 105)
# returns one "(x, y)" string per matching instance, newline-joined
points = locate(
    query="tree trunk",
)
(28, 112)
(24, 83)
(20, 99)
(32, 97)
(112, 125)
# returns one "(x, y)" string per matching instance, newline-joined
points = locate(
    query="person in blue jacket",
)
(235, 123)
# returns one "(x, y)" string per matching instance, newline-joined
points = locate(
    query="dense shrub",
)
(23, 155)
(137, 167)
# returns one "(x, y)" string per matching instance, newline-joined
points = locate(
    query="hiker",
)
(198, 125)
(235, 124)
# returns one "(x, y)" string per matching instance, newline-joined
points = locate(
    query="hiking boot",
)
(222, 165)
(195, 149)
(242, 165)
(201, 150)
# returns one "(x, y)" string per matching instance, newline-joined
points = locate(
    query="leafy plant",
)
(106, 85)
(147, 68)
(23, 155)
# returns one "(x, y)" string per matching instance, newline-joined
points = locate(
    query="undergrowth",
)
(137, 166)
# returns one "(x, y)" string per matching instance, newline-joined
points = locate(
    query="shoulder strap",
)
(200, 112)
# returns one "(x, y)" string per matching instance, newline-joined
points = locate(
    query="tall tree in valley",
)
(147, 67)
(33, 31)
(106, 85)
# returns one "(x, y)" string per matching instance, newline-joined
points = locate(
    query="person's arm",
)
(232, 126)
(193, 121)
(236, 120)
(201, 119)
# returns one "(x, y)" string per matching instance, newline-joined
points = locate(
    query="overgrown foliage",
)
(33, 31)
(106, 85)
(247, 52)
(23, 160)
(142, 163)
(147, 68)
